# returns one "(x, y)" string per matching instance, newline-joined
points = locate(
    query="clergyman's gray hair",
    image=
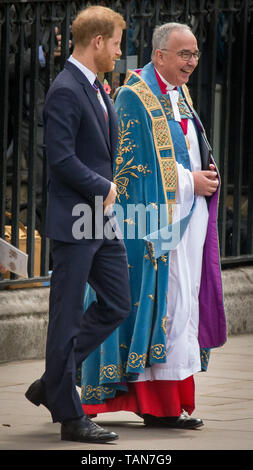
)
(161, 35)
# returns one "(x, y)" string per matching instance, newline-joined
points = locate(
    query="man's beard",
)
(104, 63)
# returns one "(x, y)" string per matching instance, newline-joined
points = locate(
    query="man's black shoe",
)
(85, 430)
(180, 422)
(36, 394)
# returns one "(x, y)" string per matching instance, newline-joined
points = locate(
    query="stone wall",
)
(24, 315)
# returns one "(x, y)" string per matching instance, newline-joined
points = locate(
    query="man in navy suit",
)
(81, 139)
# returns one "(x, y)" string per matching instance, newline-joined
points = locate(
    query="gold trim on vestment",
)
(161, 135)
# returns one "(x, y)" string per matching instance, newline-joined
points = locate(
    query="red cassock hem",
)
(157, 398)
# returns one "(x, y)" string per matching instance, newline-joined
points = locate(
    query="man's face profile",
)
(109, 51)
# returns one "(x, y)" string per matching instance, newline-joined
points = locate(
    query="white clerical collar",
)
(91, 76)
(168, 85)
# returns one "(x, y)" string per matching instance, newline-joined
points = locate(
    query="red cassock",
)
(157, 398)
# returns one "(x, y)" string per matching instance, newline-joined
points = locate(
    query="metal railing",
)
(220, 88)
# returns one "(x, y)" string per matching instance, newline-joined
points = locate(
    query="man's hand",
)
(205, 182)
(57, 52)
(110, 199)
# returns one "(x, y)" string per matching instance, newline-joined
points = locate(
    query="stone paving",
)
(224, 400)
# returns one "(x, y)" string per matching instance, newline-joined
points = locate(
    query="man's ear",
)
(158, 57)
(98, 41)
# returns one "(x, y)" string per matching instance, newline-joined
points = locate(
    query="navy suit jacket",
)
(79, 149)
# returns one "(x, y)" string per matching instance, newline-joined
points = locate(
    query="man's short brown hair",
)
(93, 21)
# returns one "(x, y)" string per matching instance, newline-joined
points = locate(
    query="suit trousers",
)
(72, 333)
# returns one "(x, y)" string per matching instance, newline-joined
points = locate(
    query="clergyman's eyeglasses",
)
(186, 55)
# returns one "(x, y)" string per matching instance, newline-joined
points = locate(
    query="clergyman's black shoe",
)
(36, 394)
(179, 422)
(85, 430)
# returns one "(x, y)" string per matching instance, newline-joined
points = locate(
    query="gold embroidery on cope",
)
(161, 133)
(164, 324)
(125, 146)
(94, 392)
(183, 109)
(187, 95)
(158, 351)
(110, 372)
(136, 360)
(166, 103)
(113, 371)
(150, 255)
(164, 258)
